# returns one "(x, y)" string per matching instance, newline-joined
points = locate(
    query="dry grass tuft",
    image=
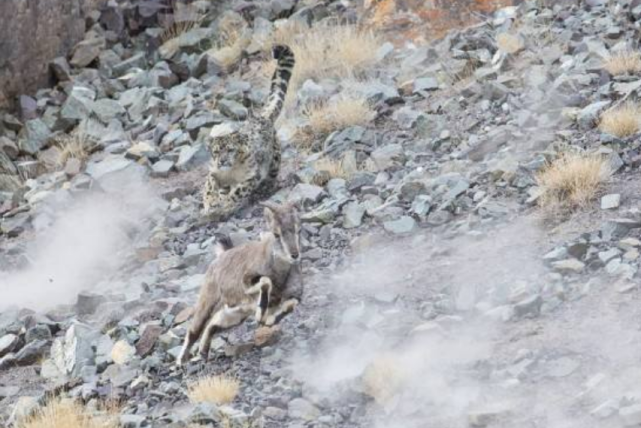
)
(466, 75)
(324, 117)
(230, 28)
(383, 378)
(626, 62)
(65, 413)
(331, 116)
(621, 121)
(232, 38)
(327, 50)
(343, 168)
(214, 389)
(228, 56)
(331, 168)
(73, 146)
(572, 181)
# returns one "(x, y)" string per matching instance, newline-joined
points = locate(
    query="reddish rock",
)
(266, 336)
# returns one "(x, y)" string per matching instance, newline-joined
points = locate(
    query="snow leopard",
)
(246, 155)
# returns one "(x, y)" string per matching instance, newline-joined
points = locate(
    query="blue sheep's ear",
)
(270, 215)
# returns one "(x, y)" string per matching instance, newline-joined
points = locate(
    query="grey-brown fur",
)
(268, 268)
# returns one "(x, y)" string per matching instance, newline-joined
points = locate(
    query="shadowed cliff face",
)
(32, 33)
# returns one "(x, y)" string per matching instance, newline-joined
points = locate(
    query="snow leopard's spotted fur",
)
(246, 156)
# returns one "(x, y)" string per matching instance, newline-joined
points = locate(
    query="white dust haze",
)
(467, 360)
(80, 240)
(460, 274)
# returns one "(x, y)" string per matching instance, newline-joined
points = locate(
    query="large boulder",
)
(74, 351)
(35, 137)
(87, 51)
(115, 172)
(33, 34)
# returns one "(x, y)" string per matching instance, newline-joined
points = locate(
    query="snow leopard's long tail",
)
(280, 81)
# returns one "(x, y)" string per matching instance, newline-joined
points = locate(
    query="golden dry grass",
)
(232, 38)
(73, 146)
(327, 50)
(328, 116)
(344, 167)
(220, 389)
(572, 181)
(625, 62)
(325, 117)
(228, 56)
(332, 168)
(383, 378)
(65, 413)
(622, 121)
(230, 28)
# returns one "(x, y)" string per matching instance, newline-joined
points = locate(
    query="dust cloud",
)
(420, 334)
(423, 335)
(80, 240)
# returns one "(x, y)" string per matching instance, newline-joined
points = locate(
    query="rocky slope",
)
(436, 293)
